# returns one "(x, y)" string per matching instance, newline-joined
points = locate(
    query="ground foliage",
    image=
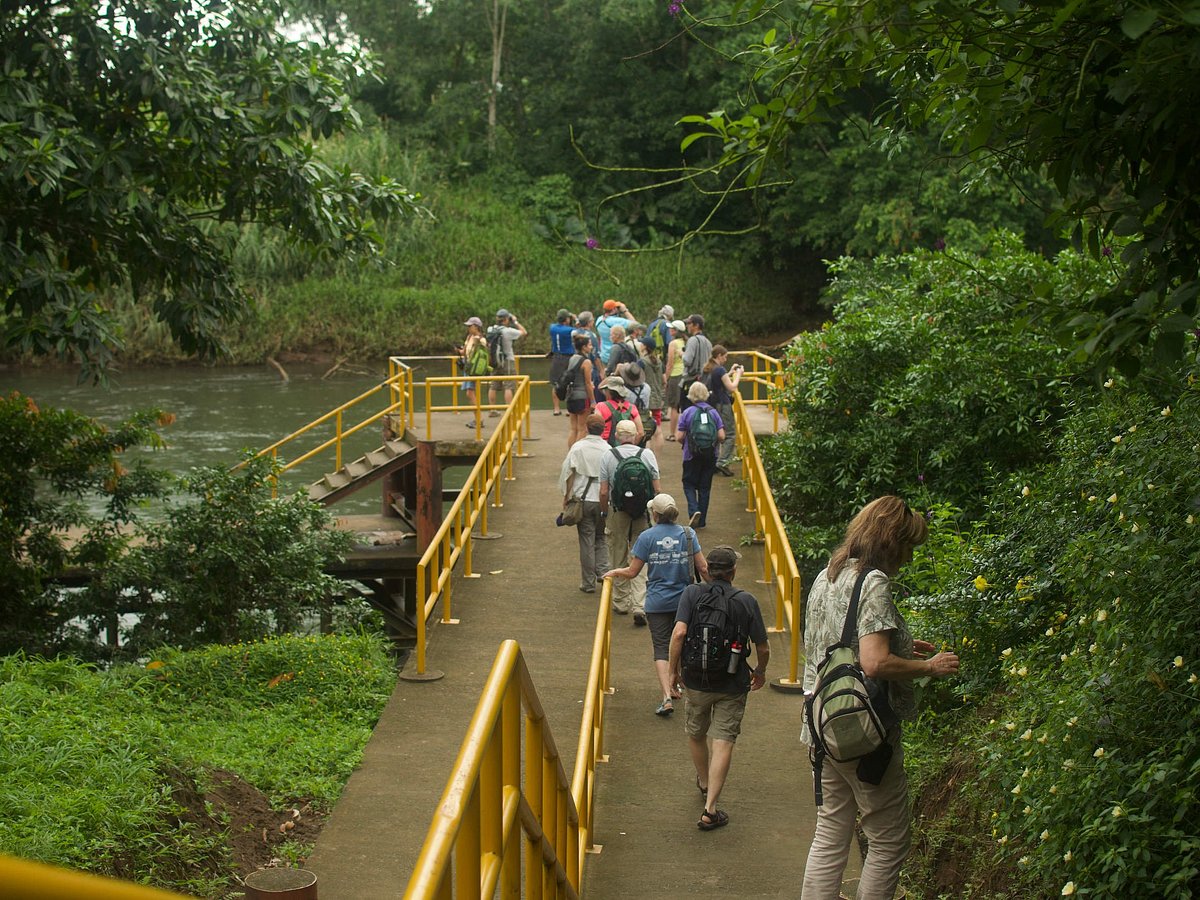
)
(1062, 760)
(151, 753)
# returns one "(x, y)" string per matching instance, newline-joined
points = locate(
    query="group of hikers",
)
(619, 381)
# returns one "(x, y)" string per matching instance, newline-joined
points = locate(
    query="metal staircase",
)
(354, 475)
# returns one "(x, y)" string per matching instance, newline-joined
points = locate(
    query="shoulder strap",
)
(850, 628)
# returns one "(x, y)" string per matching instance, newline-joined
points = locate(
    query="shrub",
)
(931, 379)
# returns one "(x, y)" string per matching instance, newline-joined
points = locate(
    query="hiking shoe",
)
(586, 589)
(725, 470)
(695, 518)
(639, 619)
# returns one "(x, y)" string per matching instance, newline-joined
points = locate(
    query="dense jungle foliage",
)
(422, 162)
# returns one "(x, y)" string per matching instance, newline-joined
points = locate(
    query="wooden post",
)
(428, 471)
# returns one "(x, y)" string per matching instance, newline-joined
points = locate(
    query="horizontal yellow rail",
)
(495, 797)
(779, 564)
(393, 397)
(435, 571)
(20, 878)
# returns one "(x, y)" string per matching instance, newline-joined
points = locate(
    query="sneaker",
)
(695, 518)
(639, 619)
(587, 590)
(725, 470)
(494, 414)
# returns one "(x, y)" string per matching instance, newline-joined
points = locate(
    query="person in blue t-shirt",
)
(615, 313)
(672, 553)
(561, 350)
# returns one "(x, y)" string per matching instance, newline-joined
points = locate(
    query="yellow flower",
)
(1041, 739)
(1023, 861)
(1010, 726)
(1021, 585)
(1016, 791)
(1023, 671)
(1027, 810)
(1192, 679)
(1135, 528)
(1068, 764)
(1025, 491)
(1102, 615)
(1113, 498)
(1069, 887)
(1046, 835)
(1099, 754)
(1068, 856)
(1054, 789)
(1003, 840)
(1108, 383)
(1116, 439)
(1062, 657)
(1073, 721)
(1191, 520)
(1028, 735)
(1166, 411)
(981, 583)
(1117, 812)
(1132, 429)
(1006, 652)
(1178, 661)
(155, 664)
(1050, 631)
(1092, 498)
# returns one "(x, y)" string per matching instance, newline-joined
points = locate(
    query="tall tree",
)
(1098, 93)
(127, 124)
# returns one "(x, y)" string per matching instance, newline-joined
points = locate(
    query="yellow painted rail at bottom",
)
(38, 881)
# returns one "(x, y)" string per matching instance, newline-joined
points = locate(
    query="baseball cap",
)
(474, 320)
(502, 314)
(661, 503)
(626, 426)
(610, 305)
(722, 558)
(678, 325)
(667, 312)
(562, 315)
(695, 319)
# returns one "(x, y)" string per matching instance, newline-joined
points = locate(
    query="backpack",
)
(496, 355)
(566, 381)
(478, 362)
(712, 634)
(649, 426)
(702, 431)
(632, 484)
(656, 331)
(618, 414)
(848, 714)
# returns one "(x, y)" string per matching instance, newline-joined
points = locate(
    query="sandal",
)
(670, 437)
(710, 820)
(558, 413)
(665, 708)
(701, 787)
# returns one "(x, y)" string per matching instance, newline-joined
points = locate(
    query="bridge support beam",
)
(427, 474)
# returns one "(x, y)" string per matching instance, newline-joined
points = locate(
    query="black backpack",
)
(566, 380)
(495, 348)
(632, 484)
(712, 633)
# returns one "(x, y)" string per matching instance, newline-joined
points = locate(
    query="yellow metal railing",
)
(453, 539)
(764, 377)
(473, 842)
(38, 881)
(779, 565)
(393, 397)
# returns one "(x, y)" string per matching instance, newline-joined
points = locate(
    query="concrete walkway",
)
(647, 800)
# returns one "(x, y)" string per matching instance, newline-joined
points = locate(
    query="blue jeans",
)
(697, 484)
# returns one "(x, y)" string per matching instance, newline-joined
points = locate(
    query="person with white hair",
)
(629, 479)
(700, 431)
(670, 554)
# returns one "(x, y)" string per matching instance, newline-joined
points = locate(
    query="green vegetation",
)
(1063, 535)
(290, 715)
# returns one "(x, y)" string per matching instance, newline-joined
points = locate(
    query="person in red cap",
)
(615, 313)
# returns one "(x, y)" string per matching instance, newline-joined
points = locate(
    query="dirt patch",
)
(255, 833)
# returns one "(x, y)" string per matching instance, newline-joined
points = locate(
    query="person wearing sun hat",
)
(616, 406)
(670, 554)
(562, 348)
(716, 702)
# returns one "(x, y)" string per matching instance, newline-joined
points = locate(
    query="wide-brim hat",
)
(615, 384)
(632, 374)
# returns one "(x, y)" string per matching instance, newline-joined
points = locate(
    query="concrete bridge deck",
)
(647, 802)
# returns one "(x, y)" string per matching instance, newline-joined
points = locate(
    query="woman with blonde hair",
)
(473, 358)
(700, 431)
(878, 541)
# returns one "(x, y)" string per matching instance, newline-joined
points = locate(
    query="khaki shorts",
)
(717, 715)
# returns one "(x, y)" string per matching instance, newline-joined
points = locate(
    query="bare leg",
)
(699, 750)
(664, 679)
(718, 768)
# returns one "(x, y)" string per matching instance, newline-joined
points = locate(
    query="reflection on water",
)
(222, 412)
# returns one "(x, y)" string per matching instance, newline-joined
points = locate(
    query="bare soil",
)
(254, 831)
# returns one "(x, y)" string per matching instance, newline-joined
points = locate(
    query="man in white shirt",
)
(581, 476)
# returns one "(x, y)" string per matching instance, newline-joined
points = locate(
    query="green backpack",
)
(477, 362)
(702, 432)
(632, 484)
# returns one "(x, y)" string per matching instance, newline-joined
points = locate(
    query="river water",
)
(221, 412)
